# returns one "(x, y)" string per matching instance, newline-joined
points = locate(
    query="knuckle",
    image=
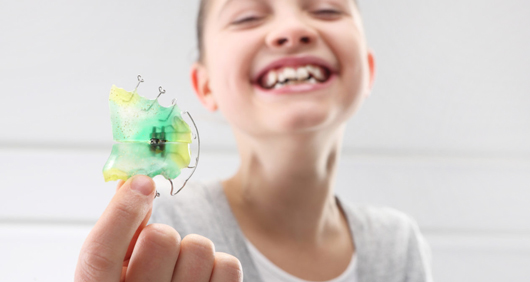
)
(200, 245)
(227, 261)
(228, 266)
(93, 262)
(161, 237)
(125, 211)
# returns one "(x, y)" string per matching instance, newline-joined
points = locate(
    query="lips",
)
(294, 71)
(277, 78)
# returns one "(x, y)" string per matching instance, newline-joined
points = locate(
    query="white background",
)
(445, 135)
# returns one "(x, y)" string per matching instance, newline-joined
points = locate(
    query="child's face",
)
(317, 47)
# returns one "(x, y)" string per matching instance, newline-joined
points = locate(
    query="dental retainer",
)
(152, 139)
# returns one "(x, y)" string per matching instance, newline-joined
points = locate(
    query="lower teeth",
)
(311, 80)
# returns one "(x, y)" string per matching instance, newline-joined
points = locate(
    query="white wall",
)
(445, 135)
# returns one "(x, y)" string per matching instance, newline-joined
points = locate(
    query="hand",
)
(121, 247)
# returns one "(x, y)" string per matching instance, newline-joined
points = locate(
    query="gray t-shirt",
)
(388, 243)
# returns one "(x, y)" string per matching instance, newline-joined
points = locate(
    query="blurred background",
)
(445, 136)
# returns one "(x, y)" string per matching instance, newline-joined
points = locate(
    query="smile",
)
(278, 78)
(298, 72)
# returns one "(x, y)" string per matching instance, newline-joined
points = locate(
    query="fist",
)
(121, 247)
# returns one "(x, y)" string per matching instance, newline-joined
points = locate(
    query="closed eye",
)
(246, 20)
(327, 13)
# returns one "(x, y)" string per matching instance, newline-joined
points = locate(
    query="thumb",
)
(115, 233)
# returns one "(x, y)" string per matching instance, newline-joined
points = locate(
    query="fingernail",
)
(142, 184)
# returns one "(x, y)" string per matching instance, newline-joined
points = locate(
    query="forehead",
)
(224, 3)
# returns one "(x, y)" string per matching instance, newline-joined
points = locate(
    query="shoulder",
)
(379, 220)
(389, 243)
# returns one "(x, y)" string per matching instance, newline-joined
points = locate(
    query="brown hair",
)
(200, 25)
(201, 18)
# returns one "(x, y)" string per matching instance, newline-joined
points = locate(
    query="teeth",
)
(281, 76)
(289, 73)
(271, 79)
(316, 72)
(288, 76)
(302, 73)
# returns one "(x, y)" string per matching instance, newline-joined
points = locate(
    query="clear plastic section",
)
(154, 140)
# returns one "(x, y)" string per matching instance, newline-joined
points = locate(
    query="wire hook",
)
(140, 80)
(174, 103)
(161, 91)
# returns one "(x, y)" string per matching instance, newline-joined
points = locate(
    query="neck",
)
(287, 192)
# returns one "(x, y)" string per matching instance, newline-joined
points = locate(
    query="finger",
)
(102, 254)
(136, 234)
(120, 183)
(135, 238)
(123, 272)
(195, 261)
(227, 268)
(155, 254)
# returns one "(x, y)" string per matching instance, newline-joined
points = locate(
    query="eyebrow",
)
(227, 3)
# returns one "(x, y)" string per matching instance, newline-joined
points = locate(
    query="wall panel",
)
(441, 193)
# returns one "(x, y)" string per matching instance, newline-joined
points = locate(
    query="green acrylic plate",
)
(136, 121)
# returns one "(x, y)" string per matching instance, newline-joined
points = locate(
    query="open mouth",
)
(284, 76)
(294, 72)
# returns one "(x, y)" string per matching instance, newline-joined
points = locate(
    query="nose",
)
(293, 35)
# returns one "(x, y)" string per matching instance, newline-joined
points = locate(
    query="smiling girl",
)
(287, 75)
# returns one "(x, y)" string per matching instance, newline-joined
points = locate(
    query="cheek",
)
(353, 57)
(229, 63)
(230, 57)
(350, 50)
(230, 87)
(355, 83)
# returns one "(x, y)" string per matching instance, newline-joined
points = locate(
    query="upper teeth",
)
(316, 72)
(284, 75)
(302, 73)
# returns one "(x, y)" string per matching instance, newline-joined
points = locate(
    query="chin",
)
(303, 119)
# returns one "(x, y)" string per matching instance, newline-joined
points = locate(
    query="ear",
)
(201, 84)
(371, 68)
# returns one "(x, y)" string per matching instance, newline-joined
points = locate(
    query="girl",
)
(287, 75)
